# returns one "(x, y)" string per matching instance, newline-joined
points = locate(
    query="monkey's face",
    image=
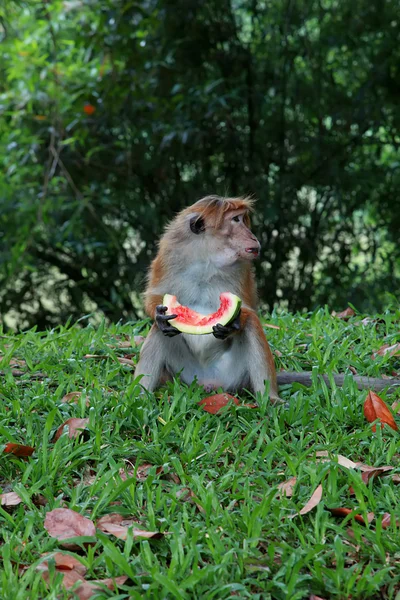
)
(233, 240)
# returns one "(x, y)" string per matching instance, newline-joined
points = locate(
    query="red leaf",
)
(343, 512)
(375, 408)
(214, 404)
(19, 449)
(75, 428)
(89, 109)
(64, 523)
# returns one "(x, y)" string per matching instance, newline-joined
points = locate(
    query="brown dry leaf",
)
(277, 353)
(89, 588)
(70, 577)
(314, 597)
(125, 361)
(313, 501)
(369, 473)
(19, 449)
(342, 460)
(39, 500)
(117, 525)
(286, 487)
(138, 339)
(345, 314)
(97, 356)
(71, 397)
(392, 350)
(15, 362)
(271, 326)
(214, 404)
(343, 512)
(386, 520)
(375, 408)
(64, 562)
(64, 523)
(396, 478)
(75, 428)
(396, 406)
(10, 499)
(353, 370)
(187, 495)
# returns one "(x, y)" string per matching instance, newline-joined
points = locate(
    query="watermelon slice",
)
(190, 321)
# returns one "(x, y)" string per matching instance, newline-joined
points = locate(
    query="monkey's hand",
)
(221, 332)
(162, 321)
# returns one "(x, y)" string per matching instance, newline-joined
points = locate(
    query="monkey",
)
(207, 249)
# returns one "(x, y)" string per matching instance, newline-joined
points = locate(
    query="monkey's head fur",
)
(213, 229)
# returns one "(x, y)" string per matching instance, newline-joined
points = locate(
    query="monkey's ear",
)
(197, 224)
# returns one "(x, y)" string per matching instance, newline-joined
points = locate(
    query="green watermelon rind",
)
(229, 315)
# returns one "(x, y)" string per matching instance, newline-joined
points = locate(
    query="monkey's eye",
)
(236, 219)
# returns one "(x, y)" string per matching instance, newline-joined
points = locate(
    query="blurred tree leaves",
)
(293, 101)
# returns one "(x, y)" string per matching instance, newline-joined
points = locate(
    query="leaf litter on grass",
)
(236, 478)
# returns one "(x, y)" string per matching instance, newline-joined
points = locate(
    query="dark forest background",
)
(116, 114)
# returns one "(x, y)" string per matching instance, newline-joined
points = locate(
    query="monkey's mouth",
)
(254, 251)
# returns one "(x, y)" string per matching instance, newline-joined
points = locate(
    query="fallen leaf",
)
(117, 525)
(142, 472)
(369, 473)
(187, 495)
(72, 396)
(89, 588)
(19, 449)
(10, 499)
(386, 520)
(125, 361)
(343, 512)
(342, 460)
(396, 406)
(75, 428)
(271, 326)
(39, 500)
(286, 487)
(64, 523)
(313, 501)
(396, 478)
(97, 356)
(375, 408)
(69, 578)
(64, 562)
(214, 404)
(392, 350)
(138, 339)
(345, 314)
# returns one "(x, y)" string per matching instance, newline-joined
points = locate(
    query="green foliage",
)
(239, 537)
(294, 102)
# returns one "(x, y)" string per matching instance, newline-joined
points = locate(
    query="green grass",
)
(235, 538)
